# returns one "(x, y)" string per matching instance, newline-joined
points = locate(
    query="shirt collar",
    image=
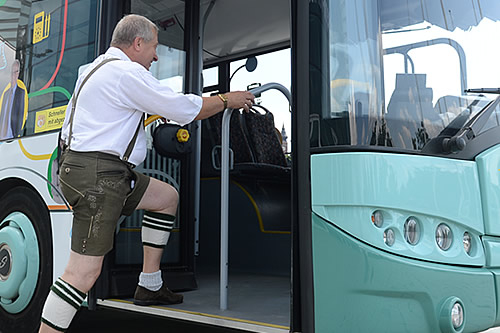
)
(116, 52)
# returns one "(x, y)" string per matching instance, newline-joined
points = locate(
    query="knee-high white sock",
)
(61, 305)
(156, 228)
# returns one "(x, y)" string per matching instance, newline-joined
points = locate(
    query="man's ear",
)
(137, 43)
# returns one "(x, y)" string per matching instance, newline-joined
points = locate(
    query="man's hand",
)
(235, 100)
(240, 100)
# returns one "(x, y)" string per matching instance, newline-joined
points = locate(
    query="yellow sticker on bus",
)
(41, 27)
(50, 119)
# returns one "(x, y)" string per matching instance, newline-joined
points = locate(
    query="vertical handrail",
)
(224, 191)
(224, 209)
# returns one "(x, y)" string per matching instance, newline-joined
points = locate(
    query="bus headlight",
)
(452, 316)
(412, 230)
(444, 236)
(467, 240)
(377, 218)
(457, 315)
(389, 237)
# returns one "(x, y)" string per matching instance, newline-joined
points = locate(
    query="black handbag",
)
(171, 140)
(263, 137)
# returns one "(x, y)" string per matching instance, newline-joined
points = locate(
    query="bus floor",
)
(259, 303)
(107, 320)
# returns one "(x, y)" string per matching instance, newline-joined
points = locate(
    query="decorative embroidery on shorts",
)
(95, 208)
(97, 223)
(110, 183)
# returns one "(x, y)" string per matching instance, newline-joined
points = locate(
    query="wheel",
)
(25, 260)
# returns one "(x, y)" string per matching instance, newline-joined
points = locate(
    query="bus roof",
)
(233, 29)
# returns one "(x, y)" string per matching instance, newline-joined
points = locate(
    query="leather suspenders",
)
(131, 144)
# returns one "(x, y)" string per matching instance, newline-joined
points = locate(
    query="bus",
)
(361, 194)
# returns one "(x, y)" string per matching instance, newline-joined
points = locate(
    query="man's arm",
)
(235, 100)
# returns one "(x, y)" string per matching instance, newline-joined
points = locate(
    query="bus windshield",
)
(394, 73)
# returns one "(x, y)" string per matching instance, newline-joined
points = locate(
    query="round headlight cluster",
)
(444, 236)
(412, 230)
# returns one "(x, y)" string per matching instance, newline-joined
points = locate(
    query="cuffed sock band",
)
(156, 228)
(151, 281)
(61, 305)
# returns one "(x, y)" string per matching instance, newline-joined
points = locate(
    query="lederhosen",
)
(100, 187)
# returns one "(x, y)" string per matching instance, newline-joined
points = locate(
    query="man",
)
(13, 112)
(97, 178)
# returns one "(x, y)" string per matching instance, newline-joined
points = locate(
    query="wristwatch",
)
(223, 98)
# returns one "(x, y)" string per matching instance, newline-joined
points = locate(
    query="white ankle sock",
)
(151, 281)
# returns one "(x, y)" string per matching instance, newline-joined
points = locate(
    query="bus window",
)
(54, 38)
(399, 82)
(13, 95)
(271, 67)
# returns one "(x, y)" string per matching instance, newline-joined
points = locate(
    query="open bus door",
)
(259, 240)
(122, 266)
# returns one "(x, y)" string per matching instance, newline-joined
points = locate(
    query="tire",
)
(25, 234)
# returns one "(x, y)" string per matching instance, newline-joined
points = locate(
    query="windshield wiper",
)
(470, 130)
(484, 91)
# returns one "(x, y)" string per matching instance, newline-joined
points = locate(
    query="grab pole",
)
(224, 191)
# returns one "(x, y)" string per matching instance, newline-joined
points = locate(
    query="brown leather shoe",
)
(164, 296)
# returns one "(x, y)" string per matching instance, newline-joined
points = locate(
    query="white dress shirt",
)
(113, 101)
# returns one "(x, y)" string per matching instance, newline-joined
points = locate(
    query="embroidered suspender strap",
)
(134, 139)
(75, 98)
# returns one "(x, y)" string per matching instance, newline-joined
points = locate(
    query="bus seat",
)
(411, 118)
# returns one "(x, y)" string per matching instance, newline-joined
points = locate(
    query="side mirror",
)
(251, 64)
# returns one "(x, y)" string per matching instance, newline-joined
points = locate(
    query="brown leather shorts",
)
(100, 188)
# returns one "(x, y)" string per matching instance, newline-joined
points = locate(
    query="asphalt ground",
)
(105, 320)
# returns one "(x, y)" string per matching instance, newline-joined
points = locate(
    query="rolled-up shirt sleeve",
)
(145, 93)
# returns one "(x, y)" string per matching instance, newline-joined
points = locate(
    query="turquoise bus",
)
(360, 195)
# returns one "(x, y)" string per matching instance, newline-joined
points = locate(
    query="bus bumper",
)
(358, 288)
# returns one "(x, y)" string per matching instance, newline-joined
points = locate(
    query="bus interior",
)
(246, 55)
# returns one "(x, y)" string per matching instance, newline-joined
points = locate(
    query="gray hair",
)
(130, 27)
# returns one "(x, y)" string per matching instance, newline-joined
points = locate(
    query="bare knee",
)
(170, 200)
(160, 197)
(171, 204)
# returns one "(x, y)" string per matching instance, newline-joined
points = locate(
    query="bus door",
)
(123, 265)
(259, 239)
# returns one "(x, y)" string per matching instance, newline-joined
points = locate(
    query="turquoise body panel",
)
(492, 251)
(358, 288)
(488, 165)
(403, 288)
(348, 187)
(496, 275)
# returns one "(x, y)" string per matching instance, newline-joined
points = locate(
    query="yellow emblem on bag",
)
(182, 135)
